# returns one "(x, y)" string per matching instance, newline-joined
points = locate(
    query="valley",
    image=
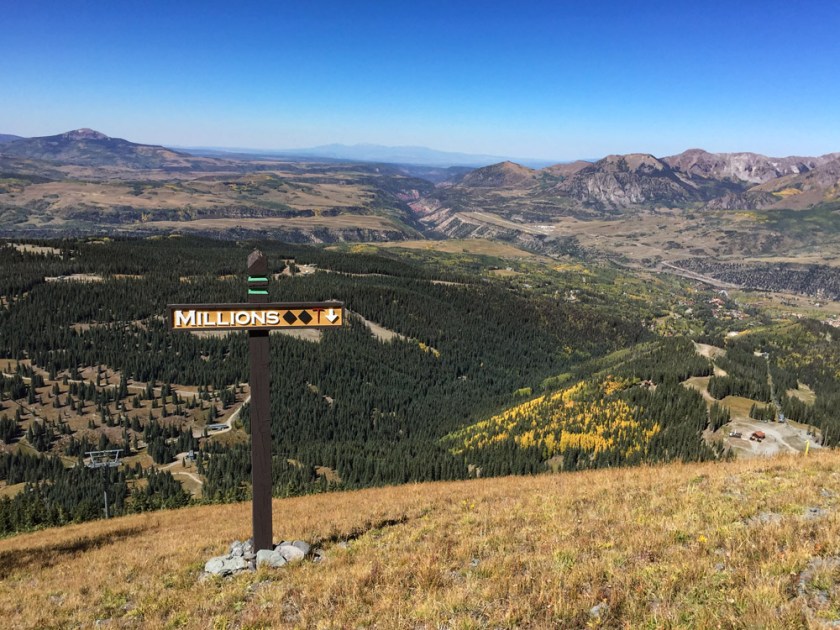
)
(502, 319)
(560, 364)
(382, 316)
(90, 183)
(696, 211)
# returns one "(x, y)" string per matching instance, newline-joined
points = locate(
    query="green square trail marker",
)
(259, 318)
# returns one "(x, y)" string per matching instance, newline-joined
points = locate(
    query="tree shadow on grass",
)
(49, 555)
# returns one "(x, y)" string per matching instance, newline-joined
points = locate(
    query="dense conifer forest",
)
(478, 375)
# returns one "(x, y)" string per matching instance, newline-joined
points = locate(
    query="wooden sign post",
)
(258, 351)
(259, 318)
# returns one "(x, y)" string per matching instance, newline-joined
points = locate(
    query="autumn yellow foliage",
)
(787, 192)
(587, 416)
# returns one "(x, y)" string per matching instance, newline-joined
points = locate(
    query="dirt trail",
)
(228, 422)
(711, 352)
(192, 476)
(380, 332)
(708, 351)
(140, 387)
(179, 458)
(679, 271)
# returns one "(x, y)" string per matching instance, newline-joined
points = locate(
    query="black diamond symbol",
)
(290, 318)
(305, 317)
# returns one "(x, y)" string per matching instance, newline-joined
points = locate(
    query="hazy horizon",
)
(540, 81)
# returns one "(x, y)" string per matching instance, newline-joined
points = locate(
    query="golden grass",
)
(35, 249)
(477, 246)
(803, 393)
(700, 383)
(505, 273)
(189, 481)
(739, 407)
(10, 491)
(670, 546)
(62, 196)
(345, 221)
(787, 192)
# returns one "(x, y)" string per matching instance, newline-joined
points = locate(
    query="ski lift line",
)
(104, 459)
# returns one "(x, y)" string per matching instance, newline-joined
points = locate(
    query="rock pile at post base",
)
(241, 557)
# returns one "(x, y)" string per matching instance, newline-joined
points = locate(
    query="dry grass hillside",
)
(748, 544)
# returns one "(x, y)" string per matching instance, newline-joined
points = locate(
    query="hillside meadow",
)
(743, 544)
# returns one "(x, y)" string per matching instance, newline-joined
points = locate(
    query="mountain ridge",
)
(87, 147)
(621, 181)
(750, 167)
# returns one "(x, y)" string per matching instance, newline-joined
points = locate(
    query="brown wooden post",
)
(258, 348)
(258, 317)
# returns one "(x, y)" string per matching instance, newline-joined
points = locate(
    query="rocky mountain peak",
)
(752, 168)
(643, 163)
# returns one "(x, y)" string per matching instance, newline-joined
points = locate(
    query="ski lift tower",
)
(104, 460)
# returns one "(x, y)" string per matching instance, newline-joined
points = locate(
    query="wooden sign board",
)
(251, 316)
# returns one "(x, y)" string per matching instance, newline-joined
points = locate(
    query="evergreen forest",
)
(475, 374)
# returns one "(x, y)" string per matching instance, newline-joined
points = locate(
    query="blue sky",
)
(554, 80)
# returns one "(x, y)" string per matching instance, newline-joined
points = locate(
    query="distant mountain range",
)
(513, 202)
(421, 156)
(696, 203)
(612, 185)
(86, 147)
(718, 180)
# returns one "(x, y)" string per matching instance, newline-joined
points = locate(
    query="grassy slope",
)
(661, 547)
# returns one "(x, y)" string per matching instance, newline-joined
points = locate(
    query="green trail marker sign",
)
(259, 318)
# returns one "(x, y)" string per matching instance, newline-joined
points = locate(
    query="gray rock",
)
(813, 512)
(764, 518)
(290, 553)
(270, 557)
(598, 610)
(805, 586)
(242, 556)
(225, 565)
(720, 566)
(303, 546)
(215, 565)
(237, 564)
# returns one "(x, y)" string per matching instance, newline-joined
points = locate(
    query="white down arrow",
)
(332, 316)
